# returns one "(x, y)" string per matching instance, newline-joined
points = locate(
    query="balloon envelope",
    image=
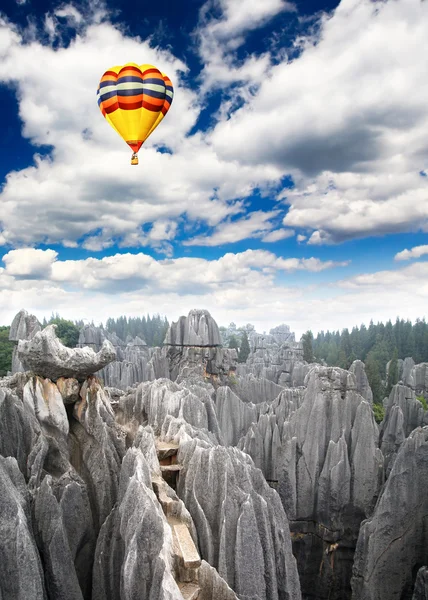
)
(134, 100)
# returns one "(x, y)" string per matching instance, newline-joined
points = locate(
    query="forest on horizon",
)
(376, 345)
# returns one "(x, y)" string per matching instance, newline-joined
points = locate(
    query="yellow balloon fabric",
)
(134, 100)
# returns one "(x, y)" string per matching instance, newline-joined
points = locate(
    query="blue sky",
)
(287, 183)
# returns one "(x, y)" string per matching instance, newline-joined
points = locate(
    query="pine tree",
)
(244, 350)
(308, 352)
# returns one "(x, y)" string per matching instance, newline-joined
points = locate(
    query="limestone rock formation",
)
(329, 473)
(242, 528)
(254, 389)
(23, 327)
(392, 543)
(421, 585)
(47, 357)
(21, 574)
(134, 548)
(363, 387)
(403, 413)
(197, 329)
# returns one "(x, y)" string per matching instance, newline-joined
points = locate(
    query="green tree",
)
(234, 342)
(66, 330)
(374, 378)
(392, 378)
(307, 342)
(244, 350)
(6, 349)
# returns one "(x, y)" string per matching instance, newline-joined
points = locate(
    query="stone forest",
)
(131, 471)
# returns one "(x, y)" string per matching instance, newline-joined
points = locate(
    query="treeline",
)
(6, 349)
(151, 329)
(376, 345)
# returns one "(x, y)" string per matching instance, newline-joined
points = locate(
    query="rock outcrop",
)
(330, 472)
(198, 329)
(242, 528)
(46, 356)
(363, 387)
(403, 413)
(23, 327)
(393, 542)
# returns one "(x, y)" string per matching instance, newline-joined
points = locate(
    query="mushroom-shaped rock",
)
(47, 357)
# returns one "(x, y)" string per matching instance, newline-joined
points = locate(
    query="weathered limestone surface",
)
(19, 429)
(392, 543)
(403, 413)
(47, 357)
(151, 402)
(97, 448)
(197, 329)
(263, 440)
(254, 389)
(242, 527)
(23, 327)
(134, 548)
(421, 585)
(363, 387)
(21, 575)
(281, 364)
(234, 416)
(330, 472)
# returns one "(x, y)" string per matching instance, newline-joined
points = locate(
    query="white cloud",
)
(348, 119)
(415, 252)
(237, 287)
(254, 225)
(220, 36)
(29, 263)
(86, 189)
(278, 234)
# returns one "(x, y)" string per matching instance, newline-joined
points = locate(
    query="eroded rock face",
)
(197, 329)
(403, 413)
(133, 555)
(21, 574)
(363, 387)
(45, 355)
(242, 527)
(421, 585)
(23, 327)
(330, 472)
(392, 543)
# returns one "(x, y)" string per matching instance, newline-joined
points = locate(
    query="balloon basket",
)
(134, 159)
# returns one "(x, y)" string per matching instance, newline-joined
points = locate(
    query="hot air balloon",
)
(134, 100)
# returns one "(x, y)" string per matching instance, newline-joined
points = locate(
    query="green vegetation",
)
(244, 349)
(308, 351)
(234, 342)
(375, 345)
(423, 401)
(379, 412)
(151, 329)
(6, 349)
(66, 331)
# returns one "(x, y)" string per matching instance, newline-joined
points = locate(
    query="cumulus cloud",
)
(30, 263)
(277, 234)
(85, 191)
(415, 252)
(348, 119)
(254, 225)
(220, 36)
(237, 287)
